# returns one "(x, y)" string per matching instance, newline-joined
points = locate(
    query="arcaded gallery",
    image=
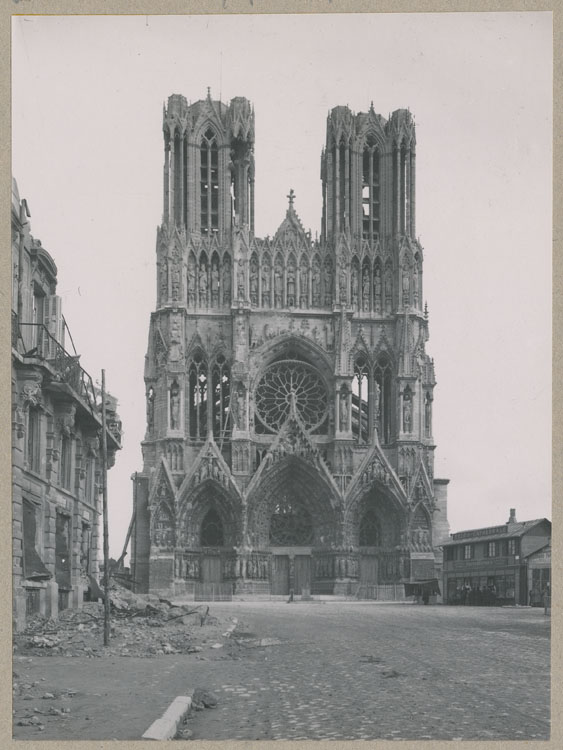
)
(289, 394)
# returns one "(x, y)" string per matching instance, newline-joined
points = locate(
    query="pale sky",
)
(88, 154)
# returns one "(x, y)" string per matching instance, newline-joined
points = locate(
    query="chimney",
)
(512, 518)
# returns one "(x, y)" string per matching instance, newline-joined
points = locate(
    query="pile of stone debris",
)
(141, 625)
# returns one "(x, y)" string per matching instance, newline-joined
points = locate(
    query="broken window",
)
(370, 191)
(33, 566)
(209, 183)
(360, 411)
(62, 551)
(198, 397)
(383, 399)
(221, 398)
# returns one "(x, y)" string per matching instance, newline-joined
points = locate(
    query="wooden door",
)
(303, 578)
(211, 570)
(280, 574)
(368, 569)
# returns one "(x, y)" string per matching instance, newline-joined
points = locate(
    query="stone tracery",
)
(287, 382)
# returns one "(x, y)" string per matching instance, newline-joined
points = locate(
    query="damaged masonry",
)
(56, 442)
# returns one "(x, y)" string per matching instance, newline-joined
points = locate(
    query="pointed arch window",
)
(212, 533)
(360, 407)
(221, 383)
(382, 410)
(209, 183)
(197, 407)
(370, 191)
(403, 191)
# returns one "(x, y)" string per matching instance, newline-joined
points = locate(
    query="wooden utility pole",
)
(105, 512)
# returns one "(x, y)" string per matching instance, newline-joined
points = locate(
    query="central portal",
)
(291, 571)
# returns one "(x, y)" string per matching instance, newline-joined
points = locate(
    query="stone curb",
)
(166, 727)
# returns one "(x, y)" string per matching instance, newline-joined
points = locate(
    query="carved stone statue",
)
(226, 283)
(291, 285)
(407, 413)
(175, 407)
(164, 279)
(428, 414)
(240, 410)
(215, 285)
(355, 286)
(342, 283)
(203, 284)
(278, 285)
(266, 286)
(328, 284)
(329, 335)
(191, 283)
(388, 290)
(377, 289)
(376, 401)
(406, 285)
(175, 283)
(343, 411)
(253, 283)
(316, 284)
(365, 290)
(303, 284)
(240, 280)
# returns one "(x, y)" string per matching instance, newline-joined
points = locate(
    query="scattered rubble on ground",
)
(141, 625)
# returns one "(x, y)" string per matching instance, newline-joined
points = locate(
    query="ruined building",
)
(56, 437)
(289, 393)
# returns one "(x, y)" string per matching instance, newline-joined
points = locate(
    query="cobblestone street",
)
(334, 670)
(361, 671)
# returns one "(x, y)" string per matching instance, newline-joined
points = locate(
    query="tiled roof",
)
(494, 532)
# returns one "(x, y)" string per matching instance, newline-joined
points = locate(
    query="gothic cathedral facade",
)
(289, 394)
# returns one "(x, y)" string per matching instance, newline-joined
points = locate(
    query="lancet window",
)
(370, 191)
(360, 400)
(197, 391)
(209, 183)
(221, 384)
(383, 403)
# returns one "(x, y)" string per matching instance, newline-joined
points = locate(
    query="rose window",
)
(286, 382)
(290, 524)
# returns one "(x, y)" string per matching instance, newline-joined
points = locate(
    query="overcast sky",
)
(88, 155)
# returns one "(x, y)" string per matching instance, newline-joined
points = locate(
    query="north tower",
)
(289, 438)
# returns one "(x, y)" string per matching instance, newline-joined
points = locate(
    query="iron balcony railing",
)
(35, 340)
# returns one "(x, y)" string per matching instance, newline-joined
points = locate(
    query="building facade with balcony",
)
(56, 441)
(289, 441)
(493, 565)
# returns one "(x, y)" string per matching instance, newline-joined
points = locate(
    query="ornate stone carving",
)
(376, 470)
(66, 420)
(175, 423)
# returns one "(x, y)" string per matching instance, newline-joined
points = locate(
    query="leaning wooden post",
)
(105, 513)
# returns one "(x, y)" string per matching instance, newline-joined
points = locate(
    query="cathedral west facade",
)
(289, 394)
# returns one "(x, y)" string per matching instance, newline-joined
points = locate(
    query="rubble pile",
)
(40, 705)
(141, 625)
